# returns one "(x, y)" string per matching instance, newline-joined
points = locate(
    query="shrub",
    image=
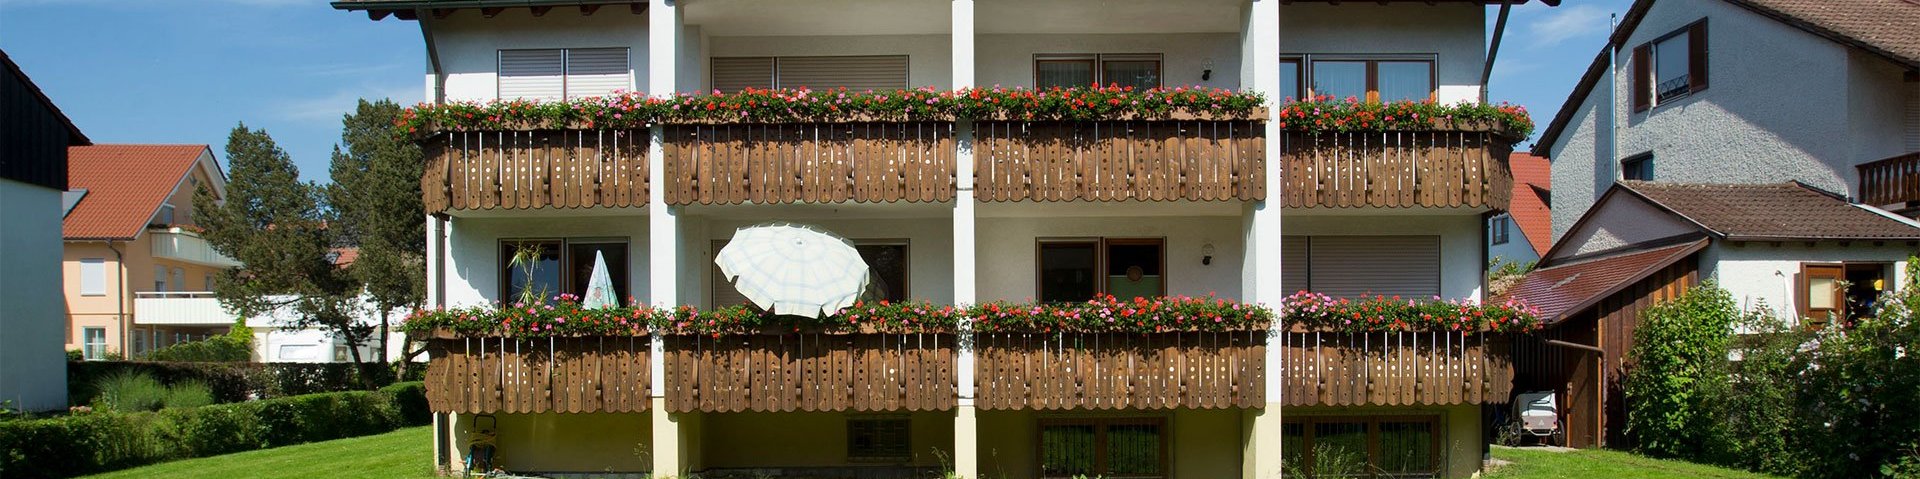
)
(1676, 372)
(410, 403)
(76, 355)
(91, 443)
(192, 393)
(234, 382)
(129, 391)
(225, 348)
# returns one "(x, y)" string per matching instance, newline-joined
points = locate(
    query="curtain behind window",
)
(1140, 74)
(1410, 81)
(1341, 79)
(1063, 73)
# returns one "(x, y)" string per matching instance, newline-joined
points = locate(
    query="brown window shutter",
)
(1697, 57)
(1642, 77)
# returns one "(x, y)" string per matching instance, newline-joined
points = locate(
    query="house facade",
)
(1524, 232)
(1689, 91)
(138, 276)
(34, 172)
(964, 211)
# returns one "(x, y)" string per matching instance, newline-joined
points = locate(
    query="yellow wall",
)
(1202, 444)
(139, 267)
(1459, 425)
(587, 442)
(799, 439)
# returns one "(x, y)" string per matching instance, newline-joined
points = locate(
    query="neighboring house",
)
(1524, 231)
(1802, 252)
(1823, 92)
(958, 233)
(138, 275)
(34, 136)
(277, 339)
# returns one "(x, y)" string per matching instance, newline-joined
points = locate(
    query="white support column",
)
(664, 26)
(966, 441)
(1260, 46)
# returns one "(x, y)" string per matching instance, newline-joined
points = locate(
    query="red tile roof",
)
(1568, 288)
(345, 256)
(1773, 212)
(1532, 181)
(125, 185)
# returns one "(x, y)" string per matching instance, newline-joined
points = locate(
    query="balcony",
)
(178, 244)
(1190, 160)
(787, 372)
(761, 163)
(570, 375)
(1097, 371)
(1456, 168)
(1394, 368)
(198, 308)
(534, 169)
(1892, 181)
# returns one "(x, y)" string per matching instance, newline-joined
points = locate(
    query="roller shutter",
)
(856, 73)
(739, 73)
(532, 74)
(597, 72)
(1349, 266)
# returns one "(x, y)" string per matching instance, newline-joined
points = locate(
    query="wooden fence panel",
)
(1090, 371)
(561, 375)
(810, 372)
(483, 170)
(1394, 368)
(809, 163)
(1119, 160)
(1396, 169)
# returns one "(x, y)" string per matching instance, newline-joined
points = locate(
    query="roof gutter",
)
(1493, 50)
(439, 87)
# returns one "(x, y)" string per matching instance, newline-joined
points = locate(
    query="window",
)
(1394, 446)
(879, 439)
(1380, 80)
(208, 281)
(1840, 291)
(139, 342)
(1670, 67)
(1077, 270)
(547, 268)
(179, 279)
(165, 216)
(561, 73)
(1140, 70)
(93, 276)
(160, 278)
(1290, 79)
(856, 73)
(1103, 447)
(1351, 266)
(1499, 229)
(887, 261)
(94, 343)
(1637, 167)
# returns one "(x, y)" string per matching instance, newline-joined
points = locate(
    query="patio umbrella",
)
(600, 286)
(793, 269)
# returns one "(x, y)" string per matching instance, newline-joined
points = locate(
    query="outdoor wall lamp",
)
(1206, 253)
(1206, 72)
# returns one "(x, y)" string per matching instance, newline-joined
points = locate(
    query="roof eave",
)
(1676, 256)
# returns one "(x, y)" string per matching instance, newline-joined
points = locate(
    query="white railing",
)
(182, 245)
(180, 308)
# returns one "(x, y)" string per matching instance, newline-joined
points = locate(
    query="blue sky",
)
(186, 71)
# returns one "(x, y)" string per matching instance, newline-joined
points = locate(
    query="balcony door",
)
(1083, 268)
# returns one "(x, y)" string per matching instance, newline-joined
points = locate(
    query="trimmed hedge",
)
(99, 442)
(233, 382)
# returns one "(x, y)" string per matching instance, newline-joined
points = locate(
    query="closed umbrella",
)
(793, 269)
(600, 286)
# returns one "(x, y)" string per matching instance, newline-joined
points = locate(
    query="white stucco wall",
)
(1762, 273)
(929, 57)
(1461, 268)
(1624, 220)
(1007, 263)
(1781, 104)
(470, 44)
(1454, 33)
(33, 370)
(473, 248)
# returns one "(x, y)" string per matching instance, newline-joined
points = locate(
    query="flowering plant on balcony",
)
(1108, 314)
(1317, 311)
(635, 110)
(864, 316)
(564, 316)
(1327, 114)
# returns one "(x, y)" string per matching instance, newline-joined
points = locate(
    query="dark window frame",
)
(1435, 427)
(1638, 167)
(1097, 64)
(1645, 91)
(1844, 298)
(1373, 71)
(1101, 245)
(1299, 78)
(1501, 230)
(564, 247)
(880, 453)
(1100, 426)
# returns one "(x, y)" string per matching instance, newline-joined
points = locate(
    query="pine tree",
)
(375, 198)
(275, 225)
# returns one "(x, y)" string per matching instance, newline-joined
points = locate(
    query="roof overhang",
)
(412, 9)
(1644, 262)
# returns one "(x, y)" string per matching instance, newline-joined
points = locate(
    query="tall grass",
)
(130, 391)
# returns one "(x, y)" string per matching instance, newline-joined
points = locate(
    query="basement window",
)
(1103, 447)
(879, 439)
(1353, 446)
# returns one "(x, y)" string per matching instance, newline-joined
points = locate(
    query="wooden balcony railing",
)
(484, 170)
(1394, 369)
(1437, 169)
(560, 375)
(1119, 371)
(810, 372)
(1120, 160)
(863, 162)
(1890, 181)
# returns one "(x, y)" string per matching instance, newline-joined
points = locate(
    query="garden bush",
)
(234, 382)
(225, 348)
(104, 441)
(129, 391)
(1678, 373)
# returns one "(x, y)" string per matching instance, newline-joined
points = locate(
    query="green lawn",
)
(1589, 463)
(400, 454)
